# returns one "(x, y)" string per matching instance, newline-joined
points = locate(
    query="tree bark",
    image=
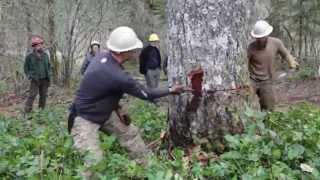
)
(2, 29)
(73, 20)
(300, 28)
(212, 35)
(52, 40)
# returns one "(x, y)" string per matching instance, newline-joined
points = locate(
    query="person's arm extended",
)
(134, 88)
(284, 52)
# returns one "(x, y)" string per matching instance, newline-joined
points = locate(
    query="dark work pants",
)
(152, 78)
(37, 87)
(264, 91)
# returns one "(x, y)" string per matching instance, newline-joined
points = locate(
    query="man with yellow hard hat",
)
(150, 61)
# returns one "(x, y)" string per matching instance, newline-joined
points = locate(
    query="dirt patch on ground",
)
(287, 92)
(12, 104)
(296, 91)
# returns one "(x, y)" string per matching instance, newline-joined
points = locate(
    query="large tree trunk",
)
(212, 35)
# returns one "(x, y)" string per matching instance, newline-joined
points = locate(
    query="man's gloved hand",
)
(292, 62)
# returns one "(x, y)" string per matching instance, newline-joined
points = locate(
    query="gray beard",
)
(40, 51)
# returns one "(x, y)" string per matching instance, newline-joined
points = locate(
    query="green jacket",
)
(37, 67)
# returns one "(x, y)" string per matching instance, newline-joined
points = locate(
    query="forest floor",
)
(288, 90)
(285, 145)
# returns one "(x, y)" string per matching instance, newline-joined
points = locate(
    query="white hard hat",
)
(123, 39)
(95, 43)
(261, 29)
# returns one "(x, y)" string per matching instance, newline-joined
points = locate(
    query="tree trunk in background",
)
(214, 35)
(306, 30)
(52, 40)
(300, 29)
(2, 29)
(28, 16)
(72, 21)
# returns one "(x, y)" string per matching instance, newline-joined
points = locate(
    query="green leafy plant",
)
(149, 118)
(277, 145)
(39, 147)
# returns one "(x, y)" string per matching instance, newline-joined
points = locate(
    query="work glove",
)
(292, 62)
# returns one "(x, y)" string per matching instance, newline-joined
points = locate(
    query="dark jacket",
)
(86, 62)
(149, 59)
(36, 67)
(102, 87)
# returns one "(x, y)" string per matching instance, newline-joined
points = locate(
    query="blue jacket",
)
(86, 62)
(102, 87)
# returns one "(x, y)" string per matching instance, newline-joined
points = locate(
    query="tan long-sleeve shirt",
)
(261, 60)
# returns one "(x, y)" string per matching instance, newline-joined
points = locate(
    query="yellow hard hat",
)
(154, 37)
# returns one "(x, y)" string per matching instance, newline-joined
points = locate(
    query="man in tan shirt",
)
(262, 54)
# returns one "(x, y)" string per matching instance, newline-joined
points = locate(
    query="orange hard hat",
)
(35, 40)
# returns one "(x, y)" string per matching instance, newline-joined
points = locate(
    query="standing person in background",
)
(94, 51)
(38, 70)
(150, 61)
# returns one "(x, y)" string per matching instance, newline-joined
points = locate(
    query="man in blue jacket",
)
(97, 99)
(94, 51)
